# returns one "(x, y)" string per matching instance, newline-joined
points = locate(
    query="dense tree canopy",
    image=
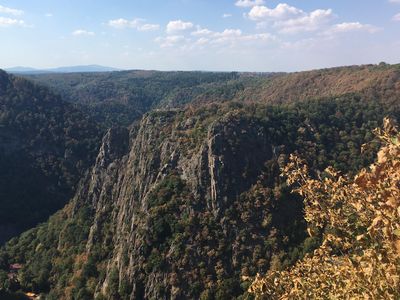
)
(48, 143)
(266, 222)
(359, 218)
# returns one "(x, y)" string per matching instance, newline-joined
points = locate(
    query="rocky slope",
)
(184, 203)
(211, 178)
(153, 207)
(53, 143)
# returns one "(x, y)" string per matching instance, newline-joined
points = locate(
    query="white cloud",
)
(290, 19)
(82, 32)
(202, 32)
(281, 11)
(8, 22)
(394, 1)
(138, 24)
(310, 22)
(303, 44)
(11, 11)
(48, 15)
(204, 38)
(178, 25)
(226, 16)
(202, 41)
(228, 37)
(170, 41)
(121, 23)
(249, 3)
(353, 26)
(148, 27)
(396, 17)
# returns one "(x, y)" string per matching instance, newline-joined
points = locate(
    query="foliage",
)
(176, 244)
(360, 254)
(123, 97)
(260, 229)
(45, 148)
(371, 81)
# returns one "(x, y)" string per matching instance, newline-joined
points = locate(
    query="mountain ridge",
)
(188, 198)
(66, 69)
(180, 206)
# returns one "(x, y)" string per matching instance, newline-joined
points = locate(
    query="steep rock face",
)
(214, 174)
(185, 203)
(236, 152)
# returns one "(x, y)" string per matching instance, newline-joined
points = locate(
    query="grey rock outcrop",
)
(225, 164)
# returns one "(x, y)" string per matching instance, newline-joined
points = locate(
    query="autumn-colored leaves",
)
(360, 219)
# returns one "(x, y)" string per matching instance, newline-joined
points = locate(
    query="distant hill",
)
(88, 68)
(123, 97)
(20, 69)
(70, 69)
(376, 81)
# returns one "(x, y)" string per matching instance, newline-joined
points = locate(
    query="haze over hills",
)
(183, 196)
(69, 69)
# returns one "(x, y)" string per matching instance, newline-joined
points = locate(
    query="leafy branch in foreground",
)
(360, 219)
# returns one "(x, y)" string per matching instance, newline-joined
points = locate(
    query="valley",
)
(167, 185)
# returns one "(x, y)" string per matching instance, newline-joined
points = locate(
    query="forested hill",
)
(55, 136)
(123, 97)
(45, 147)
(185, 201)
(189, 201)
(381, 82)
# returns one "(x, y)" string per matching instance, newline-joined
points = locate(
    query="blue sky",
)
(219, 35)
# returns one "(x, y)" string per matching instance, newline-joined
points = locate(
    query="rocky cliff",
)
(187, 188)
(185, 202)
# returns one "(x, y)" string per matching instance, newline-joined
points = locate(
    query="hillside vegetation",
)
(123, 97)
(186, 211)
(46, 146)
(359, 257)
(99, 100)
(188, 199)
(379, 82)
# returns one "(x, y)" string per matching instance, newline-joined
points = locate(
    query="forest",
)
(198, 185)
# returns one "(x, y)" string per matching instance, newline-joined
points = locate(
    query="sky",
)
(213, 35)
